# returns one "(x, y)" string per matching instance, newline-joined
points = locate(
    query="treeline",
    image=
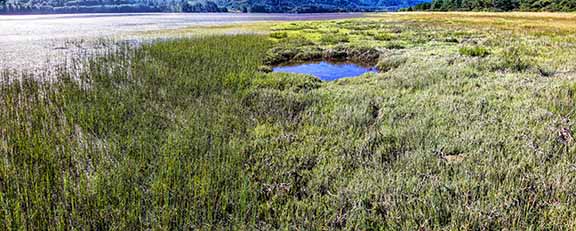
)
(27, 9)
(207, 6)
(315, 6)
(268, 6)
(78, 6)
(495, 5)
(105, 6)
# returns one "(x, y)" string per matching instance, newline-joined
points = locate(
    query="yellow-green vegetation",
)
(468, 125)
(195, 31)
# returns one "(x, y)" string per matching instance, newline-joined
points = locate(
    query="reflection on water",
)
(28, 41)
(327, 71)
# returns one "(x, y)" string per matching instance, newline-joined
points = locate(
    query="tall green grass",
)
(188, 134)
(144, 138)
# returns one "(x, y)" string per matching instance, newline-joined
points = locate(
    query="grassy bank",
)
(467, 126)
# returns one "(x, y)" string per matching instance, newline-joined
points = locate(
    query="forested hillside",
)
(317, 5)
(290, 6)
(496, 5)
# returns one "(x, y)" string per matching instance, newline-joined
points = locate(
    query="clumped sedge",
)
(475, 51)
(278, 35)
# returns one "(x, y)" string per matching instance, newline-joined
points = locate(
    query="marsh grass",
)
(145, 138)
(189, 134)
(390, 62)
(334, 38)
(384, 37)
(278, 35)
(474, 51)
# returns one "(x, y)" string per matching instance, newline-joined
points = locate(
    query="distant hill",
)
(317, 5)
(277, 6)
(495, 5)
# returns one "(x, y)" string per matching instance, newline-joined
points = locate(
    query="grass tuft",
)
(474, 51)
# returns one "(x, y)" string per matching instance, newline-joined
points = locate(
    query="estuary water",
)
(34, 41)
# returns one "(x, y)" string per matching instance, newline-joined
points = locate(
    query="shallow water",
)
(29, 41)
(327, 71)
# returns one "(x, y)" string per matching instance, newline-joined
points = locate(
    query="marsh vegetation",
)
(468, 125)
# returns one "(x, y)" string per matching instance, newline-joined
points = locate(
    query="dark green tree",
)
(506, 5)
(498, 5)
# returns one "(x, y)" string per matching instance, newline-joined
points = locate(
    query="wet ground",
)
(34, 41)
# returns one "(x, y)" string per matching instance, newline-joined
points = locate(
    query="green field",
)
(467, 126)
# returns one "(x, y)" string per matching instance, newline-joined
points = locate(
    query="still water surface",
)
(327, 71)
(28, 41)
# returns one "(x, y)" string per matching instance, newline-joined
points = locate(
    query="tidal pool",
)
(326, 71)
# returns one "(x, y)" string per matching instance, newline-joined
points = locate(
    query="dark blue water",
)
(327, 71)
